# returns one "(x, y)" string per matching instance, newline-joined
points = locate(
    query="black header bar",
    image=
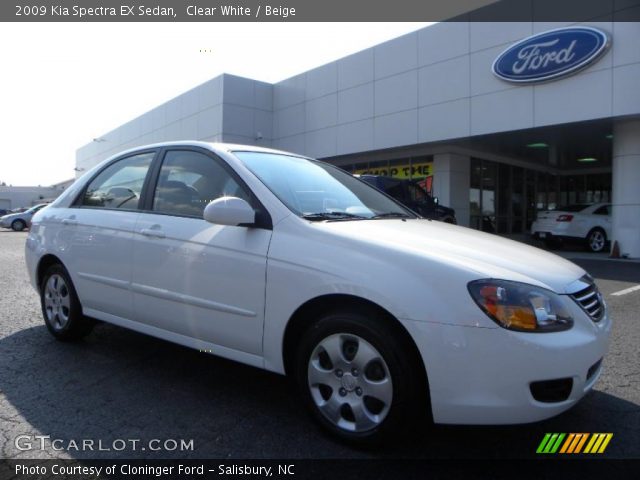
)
(317, 11)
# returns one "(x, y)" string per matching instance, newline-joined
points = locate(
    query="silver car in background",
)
(22, 220)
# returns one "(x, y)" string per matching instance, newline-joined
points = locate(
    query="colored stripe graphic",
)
(581, 442)
(543, 443)
(598, 443)
(568, 442)
(576, 440)
(574, 443)
(550, 443)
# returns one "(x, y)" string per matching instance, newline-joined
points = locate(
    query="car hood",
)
(11, 216)
(487, 255)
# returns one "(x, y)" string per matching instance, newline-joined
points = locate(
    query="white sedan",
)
(590, 223)
(294, 266)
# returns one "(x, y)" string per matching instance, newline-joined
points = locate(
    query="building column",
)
(451, 183)
(626, 187)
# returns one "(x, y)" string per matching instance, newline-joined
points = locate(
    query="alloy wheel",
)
(596, 241)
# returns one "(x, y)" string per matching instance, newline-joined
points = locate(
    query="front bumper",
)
(484, 375)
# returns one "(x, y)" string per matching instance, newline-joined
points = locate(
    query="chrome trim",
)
(594, 307)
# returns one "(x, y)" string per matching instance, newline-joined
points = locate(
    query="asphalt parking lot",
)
(118, 384)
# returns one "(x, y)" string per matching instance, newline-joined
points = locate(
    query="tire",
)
(349, 354)
(596, 240)
(61, 308)
(18, 225)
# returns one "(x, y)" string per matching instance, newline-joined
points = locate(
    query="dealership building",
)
(500, 120)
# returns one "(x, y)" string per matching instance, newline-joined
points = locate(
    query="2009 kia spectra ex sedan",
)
(294, 266)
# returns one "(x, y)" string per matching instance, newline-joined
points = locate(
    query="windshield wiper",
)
(332, 216)
(391, 215)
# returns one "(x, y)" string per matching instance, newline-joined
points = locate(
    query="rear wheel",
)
(60, 306)
(358, 378)
(596, 240)
(18, 225)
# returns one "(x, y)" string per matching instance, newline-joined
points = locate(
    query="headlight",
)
(521, 307)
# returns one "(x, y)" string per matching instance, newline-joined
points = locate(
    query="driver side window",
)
(189, 180)
(119, 185)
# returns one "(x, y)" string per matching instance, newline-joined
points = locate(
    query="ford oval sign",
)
(551, 54)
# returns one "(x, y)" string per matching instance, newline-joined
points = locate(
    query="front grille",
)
(591, 302)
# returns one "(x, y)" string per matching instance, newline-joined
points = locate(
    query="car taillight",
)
(564, 218)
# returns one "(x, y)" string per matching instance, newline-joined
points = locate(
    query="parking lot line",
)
(625, 291)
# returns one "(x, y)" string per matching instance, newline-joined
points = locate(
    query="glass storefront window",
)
(552, 192)
(598, 188)
(489, 180)
(475, 207)
(505, 198)
(379, 168)
(400, 168)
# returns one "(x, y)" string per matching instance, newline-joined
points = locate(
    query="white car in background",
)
(590, 223)
(295, 266)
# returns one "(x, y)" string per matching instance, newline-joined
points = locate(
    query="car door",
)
(191, 277)
(97, 236)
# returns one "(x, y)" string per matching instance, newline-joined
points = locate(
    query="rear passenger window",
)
(189, 181)
(119, 185)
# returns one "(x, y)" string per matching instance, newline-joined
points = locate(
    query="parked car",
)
(412, 195)
(297, 267)
(21, 220)
(588, 223)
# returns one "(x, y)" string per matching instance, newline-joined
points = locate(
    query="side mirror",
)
(232, 211)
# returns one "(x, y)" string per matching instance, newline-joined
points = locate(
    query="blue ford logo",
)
(551, 54)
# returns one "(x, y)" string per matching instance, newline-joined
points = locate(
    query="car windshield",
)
(34, 209)
(572, 208)
(319, 191)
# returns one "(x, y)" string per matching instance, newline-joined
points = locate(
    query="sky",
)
(63, 84)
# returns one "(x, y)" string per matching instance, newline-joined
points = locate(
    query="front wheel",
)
(60, 306)
(358, 377)
(596, 240)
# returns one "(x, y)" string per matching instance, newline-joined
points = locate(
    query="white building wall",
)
(431, 85)
(17, 197)
(436, 84)
(227, 107)
(626, 194)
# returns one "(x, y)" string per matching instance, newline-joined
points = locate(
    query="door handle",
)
(69, 221)
(152, 232)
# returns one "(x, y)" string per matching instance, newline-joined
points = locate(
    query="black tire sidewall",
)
(370, 328)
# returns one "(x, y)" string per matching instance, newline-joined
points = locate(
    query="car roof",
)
(216, 147)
